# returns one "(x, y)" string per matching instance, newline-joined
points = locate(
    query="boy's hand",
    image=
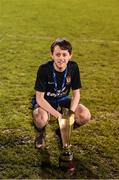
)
(70, 112)
(60, 117)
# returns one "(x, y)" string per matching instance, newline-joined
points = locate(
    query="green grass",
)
(27, 29)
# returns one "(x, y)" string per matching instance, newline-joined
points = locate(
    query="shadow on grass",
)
(49, 170)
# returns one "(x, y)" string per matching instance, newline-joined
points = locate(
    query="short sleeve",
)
(76, 80)
(41, 79)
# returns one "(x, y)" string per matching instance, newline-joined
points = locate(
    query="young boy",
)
(54, 80)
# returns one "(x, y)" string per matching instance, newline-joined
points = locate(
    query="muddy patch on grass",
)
(13, 137)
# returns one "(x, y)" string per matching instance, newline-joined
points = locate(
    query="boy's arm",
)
(75, 99)
(45, 105)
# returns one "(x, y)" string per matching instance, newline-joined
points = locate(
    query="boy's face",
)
(61, 58)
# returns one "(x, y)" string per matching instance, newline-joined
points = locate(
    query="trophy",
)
(65, 124)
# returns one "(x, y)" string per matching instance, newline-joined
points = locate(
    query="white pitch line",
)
(100, 41)
(51, 38)
(29, 37)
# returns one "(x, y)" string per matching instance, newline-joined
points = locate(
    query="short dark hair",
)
(63, 44)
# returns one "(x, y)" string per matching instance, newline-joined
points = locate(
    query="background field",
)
(27, 29)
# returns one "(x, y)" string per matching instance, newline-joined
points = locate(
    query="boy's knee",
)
(88, 116)
(40, 123)
(40, 119)
(85, 118)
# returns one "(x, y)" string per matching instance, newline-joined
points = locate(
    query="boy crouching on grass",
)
(55, 79)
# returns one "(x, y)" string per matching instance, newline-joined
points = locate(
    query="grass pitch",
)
(27, 29)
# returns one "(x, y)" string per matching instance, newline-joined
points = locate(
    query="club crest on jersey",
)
(68, 79)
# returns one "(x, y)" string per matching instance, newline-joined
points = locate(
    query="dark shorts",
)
(62, 102)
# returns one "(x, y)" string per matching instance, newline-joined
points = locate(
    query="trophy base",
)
(66, 162)
(67, 165)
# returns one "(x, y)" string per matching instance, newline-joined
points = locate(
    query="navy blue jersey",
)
(45, 80)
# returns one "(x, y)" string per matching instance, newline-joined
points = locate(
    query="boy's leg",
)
(82, 115)
(40, 118)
